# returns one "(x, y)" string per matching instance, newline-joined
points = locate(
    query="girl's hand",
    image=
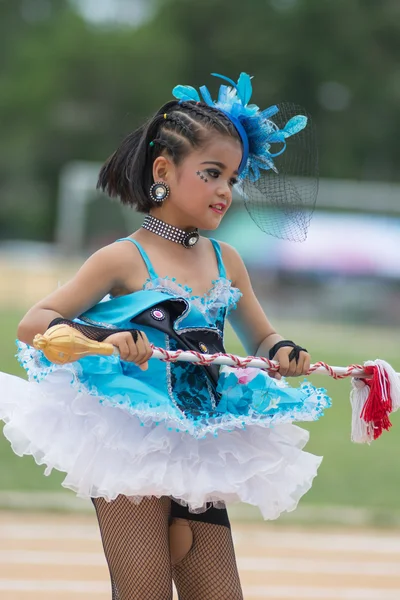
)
(137, 352)
(289, 368)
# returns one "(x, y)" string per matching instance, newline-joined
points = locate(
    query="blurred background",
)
(77, 75)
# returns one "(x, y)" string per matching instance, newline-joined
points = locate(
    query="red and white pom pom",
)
(373, 399)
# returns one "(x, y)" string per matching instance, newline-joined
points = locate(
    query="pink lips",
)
(218, 208)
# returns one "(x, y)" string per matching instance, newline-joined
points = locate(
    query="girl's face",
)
(201, 186)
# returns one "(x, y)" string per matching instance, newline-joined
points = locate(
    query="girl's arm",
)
(250, 323)
(104, 270)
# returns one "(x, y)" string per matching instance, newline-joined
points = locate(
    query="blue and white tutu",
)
(114, 429)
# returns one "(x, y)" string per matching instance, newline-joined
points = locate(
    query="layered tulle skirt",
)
(248, 450)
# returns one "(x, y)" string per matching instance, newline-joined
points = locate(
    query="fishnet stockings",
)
(135, 541)
(136, 545)
(208, 571)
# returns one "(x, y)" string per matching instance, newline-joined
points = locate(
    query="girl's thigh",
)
(136, 546)
(208, 570)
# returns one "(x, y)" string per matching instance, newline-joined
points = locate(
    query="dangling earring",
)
(159, 191)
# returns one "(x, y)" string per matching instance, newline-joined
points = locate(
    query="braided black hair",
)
(176, 128)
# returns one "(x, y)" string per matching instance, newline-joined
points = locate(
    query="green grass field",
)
(354, 475)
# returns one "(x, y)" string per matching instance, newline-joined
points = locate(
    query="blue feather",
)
(186, 93)
(244, 88)
(294, 125)
(276, 137)
(254, 172)
(225, 78)
(269, 112)
(252, 109)
(223, 92)
(206, 96)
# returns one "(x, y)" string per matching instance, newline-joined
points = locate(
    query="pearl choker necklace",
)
(169, 232)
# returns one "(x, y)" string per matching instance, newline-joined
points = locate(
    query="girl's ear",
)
(162, 169)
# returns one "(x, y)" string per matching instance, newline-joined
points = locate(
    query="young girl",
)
(161, 447)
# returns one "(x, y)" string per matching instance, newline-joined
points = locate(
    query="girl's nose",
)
(224, 191)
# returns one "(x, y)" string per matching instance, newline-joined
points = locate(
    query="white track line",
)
(322, 567)
(33, 557)
(251, 564)
(309, 593)
(274, 592)
(376, 544)
(78, 587)
(327, 542)
(307, 541)
(49, 532)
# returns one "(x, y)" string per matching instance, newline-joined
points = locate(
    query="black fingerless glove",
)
(99, 334)
(295, 353)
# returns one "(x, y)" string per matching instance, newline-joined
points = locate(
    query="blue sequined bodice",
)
(215, 304)
(187, 382)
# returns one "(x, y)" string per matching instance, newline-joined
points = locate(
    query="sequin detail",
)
(221, 295)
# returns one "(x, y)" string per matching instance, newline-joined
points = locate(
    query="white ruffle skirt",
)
(105, 451)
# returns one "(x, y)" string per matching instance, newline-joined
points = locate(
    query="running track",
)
(60, 557)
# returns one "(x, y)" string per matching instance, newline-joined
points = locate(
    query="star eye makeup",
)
(202, 175)
(213, 173)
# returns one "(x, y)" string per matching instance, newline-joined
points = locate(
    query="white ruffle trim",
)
(39, 370)
(106, 451)
(221, 295)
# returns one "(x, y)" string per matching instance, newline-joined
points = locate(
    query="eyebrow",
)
(219, 164)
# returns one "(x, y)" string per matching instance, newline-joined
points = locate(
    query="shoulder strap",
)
(143, 254)
(218, 254)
